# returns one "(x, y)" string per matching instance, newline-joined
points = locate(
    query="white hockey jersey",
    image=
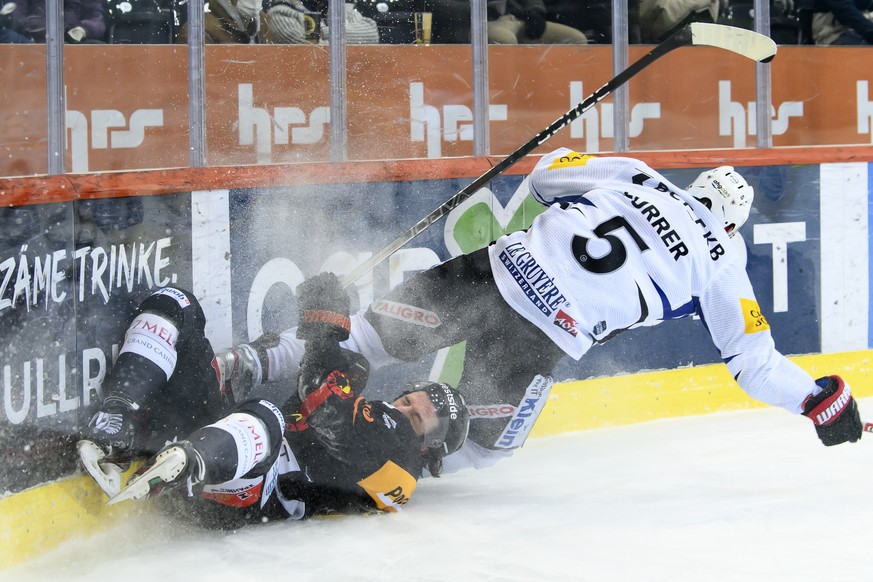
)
(621, 247)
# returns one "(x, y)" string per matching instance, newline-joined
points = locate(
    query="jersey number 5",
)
(617, 254)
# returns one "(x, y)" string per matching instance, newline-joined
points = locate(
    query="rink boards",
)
(73, 271)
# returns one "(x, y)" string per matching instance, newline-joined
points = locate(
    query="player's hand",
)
(834, 412)
(323, 306)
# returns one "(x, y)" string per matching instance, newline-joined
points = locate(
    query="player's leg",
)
(437, 308)
(240, 448)
(161, 385)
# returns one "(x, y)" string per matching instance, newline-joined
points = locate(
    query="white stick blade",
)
(744, 42)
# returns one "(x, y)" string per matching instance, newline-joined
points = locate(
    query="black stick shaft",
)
(680, 38)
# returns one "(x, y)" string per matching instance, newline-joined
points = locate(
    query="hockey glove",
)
(534, 23)
(834, 412)
(320, 359)
(323, 307)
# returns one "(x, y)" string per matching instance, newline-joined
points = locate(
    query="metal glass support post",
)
(55, 90)
(479, 40)
(763, 89)
(196, 84)
(338, 103)
(621, 96)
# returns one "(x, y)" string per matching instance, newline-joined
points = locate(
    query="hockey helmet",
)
(453, 417)
(727, 195)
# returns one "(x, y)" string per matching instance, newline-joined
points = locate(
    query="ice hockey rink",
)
(742, 496)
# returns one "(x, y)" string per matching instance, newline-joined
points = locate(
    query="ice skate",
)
(175, 464)
(107, 449)
(106, 474)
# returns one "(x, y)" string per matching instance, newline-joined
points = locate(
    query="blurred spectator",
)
(228, 22)
(7, 33)
(83, 20)
(278, 22)
(142, 21)
(660, 18)
(842, 22)
(292, 22)
(509, 22)
(594, 18)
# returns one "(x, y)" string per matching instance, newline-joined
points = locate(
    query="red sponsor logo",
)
(565, 322)
(408, 313)
(491, 411)
(237, 497)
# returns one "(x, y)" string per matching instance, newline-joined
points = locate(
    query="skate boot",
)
(176, 464)
(238, 371)
(243, 367)
(108, 448)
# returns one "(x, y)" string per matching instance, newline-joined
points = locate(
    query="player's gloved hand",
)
(534, 22)
(834, 412)
(320, 359)
(323, 306)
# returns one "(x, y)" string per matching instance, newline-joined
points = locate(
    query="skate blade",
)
(168, 465)
(106, 475)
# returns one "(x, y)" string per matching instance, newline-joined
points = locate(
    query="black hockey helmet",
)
(452, 415)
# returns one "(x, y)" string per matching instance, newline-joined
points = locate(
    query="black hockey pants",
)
(456, 301)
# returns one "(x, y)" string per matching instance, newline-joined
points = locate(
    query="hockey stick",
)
(737, 40)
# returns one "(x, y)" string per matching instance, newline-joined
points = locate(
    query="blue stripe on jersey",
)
(686, 310)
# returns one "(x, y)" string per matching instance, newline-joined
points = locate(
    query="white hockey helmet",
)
(727, 195)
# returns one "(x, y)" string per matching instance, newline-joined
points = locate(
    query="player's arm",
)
(742, 334)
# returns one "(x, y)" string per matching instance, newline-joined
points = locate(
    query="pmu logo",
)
(597, 122)
(735, 120)
(109, 129)
(452, 124)
(284, 125)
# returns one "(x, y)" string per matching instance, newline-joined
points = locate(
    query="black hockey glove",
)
(323, 306)
(320, 359)
(834, 412)
(534, 23)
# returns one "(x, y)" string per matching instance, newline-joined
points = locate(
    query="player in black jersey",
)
(326, 449)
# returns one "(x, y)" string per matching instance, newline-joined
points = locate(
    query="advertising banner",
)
(271, 104)
(71, 275)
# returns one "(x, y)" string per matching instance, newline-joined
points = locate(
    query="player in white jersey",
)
(619, 247)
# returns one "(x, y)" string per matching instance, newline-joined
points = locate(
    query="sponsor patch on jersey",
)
(154, 338)
(408, 313)
(491, 410)
(389, 422)
(180, 297)
(569, 160)
(236, 493)
(755, 320)
(535, 282)
(390, 487)
(565, 322)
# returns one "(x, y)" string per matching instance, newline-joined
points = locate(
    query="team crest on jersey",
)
(752, 316)
(565, 322)
(569, 159)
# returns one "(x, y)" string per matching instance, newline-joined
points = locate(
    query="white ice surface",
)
(748, 496)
